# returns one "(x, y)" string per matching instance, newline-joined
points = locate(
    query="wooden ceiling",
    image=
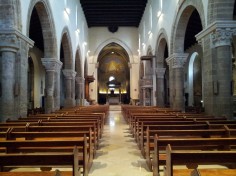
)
(113, 13)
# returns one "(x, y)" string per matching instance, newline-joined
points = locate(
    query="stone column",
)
(160, 72)
(177, 76)
(144, 96)
(57, 87)
(80, 90)
(51, 65)
(8, 59)
(171, 82)
(69, 83)
(217, 67)
(223, 84)
(154, 83)
(14, 47)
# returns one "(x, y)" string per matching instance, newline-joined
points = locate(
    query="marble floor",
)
(118, 153)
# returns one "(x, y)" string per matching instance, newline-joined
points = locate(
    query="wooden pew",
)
(43, 159)
(36, 173)
(197, 133)
(205, 172)
(173, 121)
(55, 129)
(197, 144)
(207, 125)
(10, 134)
(137, 121)
(193, 158)
(53, 146)
(96, 128)
(53, 126)
(98, 117)
(142, 129)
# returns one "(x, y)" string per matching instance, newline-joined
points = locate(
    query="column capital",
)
(10, 40)
(221, 32)
(79, 80)
(51, 64)
(160, 72)
(69, 74)
(222, 36)
(177, 60)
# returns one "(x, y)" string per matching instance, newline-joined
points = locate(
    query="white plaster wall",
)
(62, 20)
(127, 37)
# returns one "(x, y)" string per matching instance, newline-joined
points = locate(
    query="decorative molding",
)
(177, 60)
(69, 74)
(146, 83)
(221, 32)
(160, 72)
(9, 42)
(51, 64)
(79, 80)
(17, 34)
(222, 36)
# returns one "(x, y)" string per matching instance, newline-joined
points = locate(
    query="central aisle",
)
(118, 154)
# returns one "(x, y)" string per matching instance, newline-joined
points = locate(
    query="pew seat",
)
(36, 160)
(37, 173)
(205, 172)
(192, 159)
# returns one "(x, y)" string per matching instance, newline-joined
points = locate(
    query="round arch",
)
(162, 42)
(113, 61)
(48, 26)
(113, 40)
(67, 49)
(190, 78)
(162, 52)
(181, 21)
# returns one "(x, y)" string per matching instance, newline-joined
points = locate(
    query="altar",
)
(114, 100)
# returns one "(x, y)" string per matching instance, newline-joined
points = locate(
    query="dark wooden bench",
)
(139, 135)
(148, 148)
(193, 158)
(29, 125)
(52, 146)
(57, 172)
(55, 129)
(98, 117)
(174, 121)
(10, 134)
(41, 160)
(96, 128)
(196, 144)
